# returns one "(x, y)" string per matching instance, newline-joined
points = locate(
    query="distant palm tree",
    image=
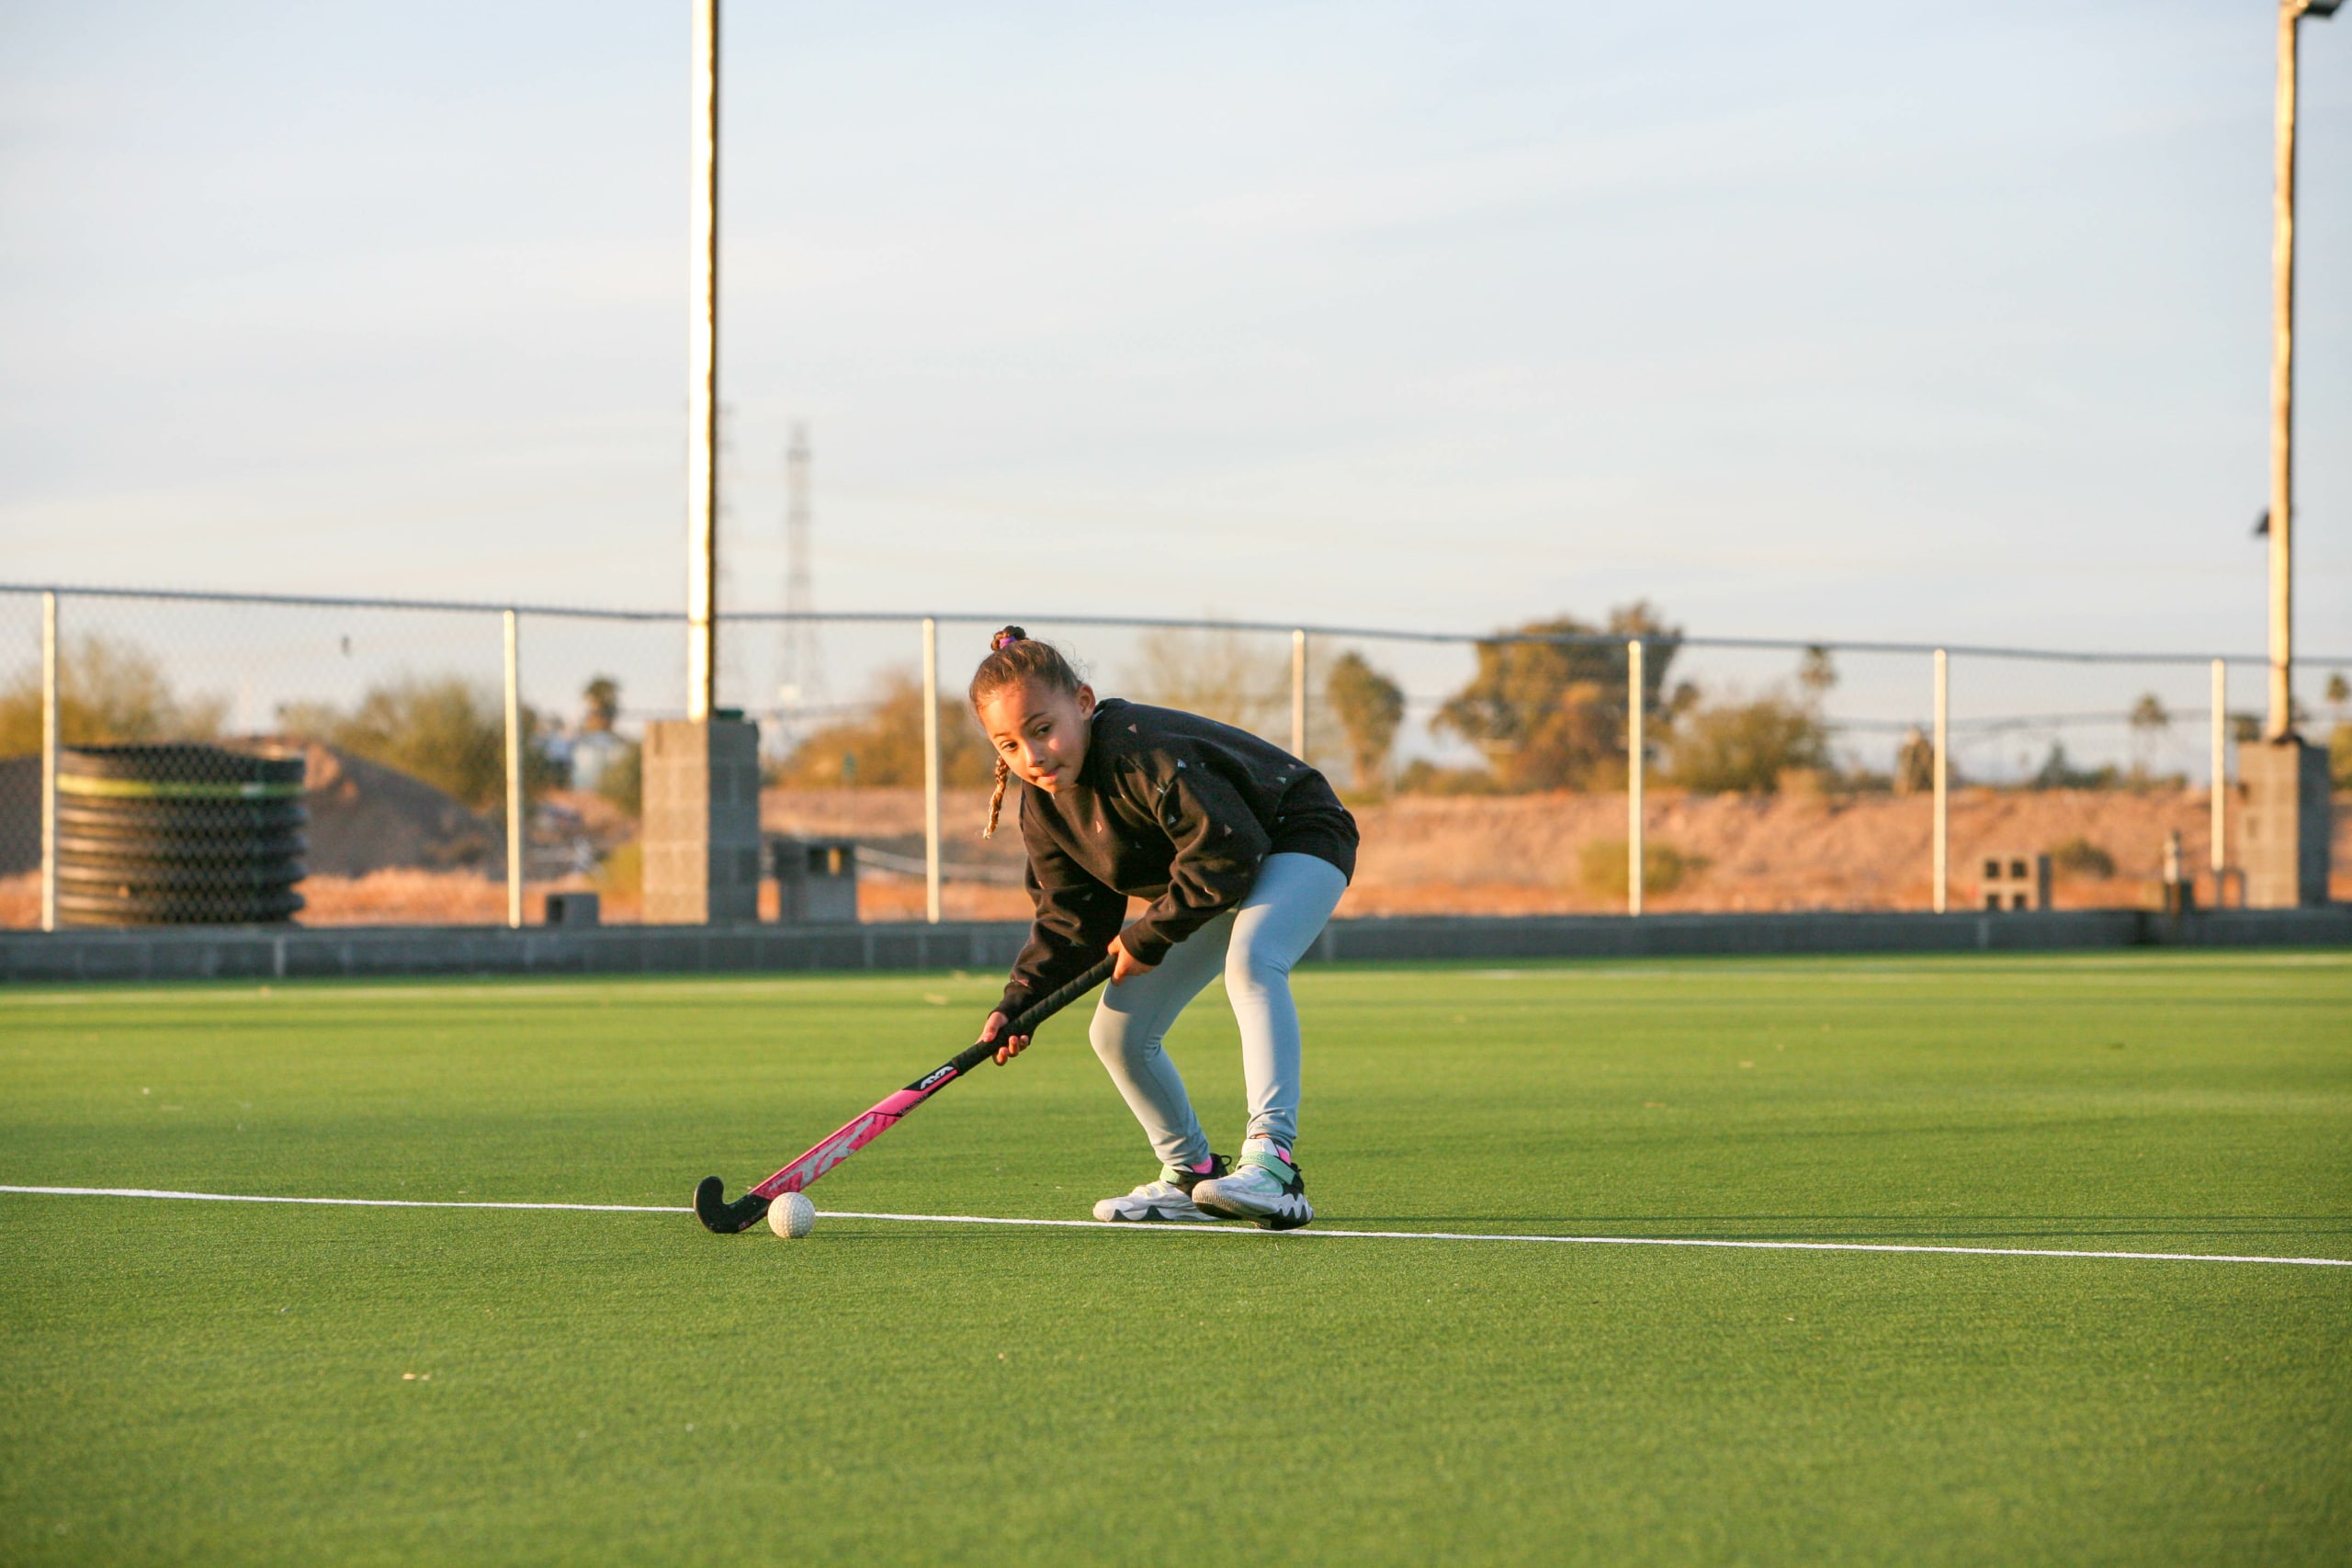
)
(1816, 672)
(2150, 719)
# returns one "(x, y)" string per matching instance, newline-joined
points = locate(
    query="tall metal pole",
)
(1634, 776)
(1299, 695)
(1941, 888)
(2281, 722)
(514, 775)
(702, 384)
(2218, 852)
(930, 770)
(49, 761)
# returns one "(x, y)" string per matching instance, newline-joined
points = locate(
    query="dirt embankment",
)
(1526, 854)
(1513, 855)
(1523, 854)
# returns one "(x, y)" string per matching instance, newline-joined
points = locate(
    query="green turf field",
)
(191, 1382)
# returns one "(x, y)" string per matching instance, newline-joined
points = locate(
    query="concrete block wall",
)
(1653, 936)
(2284, 831)
(701, 839)
(816, 880)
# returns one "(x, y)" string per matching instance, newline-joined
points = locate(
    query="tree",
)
(1421, 776)
(109, 693)
(1816, 674)
(1914, 764)
(1744, 748)
(445, 729)
(623, 780)
(1602, 863)
(600, 759)
(2080, 857)
(1368, 706)
(2058, 773)
(1216, 673)
(602, 698)
(883, 747)
(1551, 714)
(2149, 719)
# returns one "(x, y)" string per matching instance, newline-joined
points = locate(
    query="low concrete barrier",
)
(2329, 925)
(1615, 936)
(295, 953)
(260, 952)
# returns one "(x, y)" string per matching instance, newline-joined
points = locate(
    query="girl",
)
(1242, 850)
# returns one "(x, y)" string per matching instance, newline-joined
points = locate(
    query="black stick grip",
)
(1027, 1021)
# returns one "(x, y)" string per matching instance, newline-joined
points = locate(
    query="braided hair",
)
(1017, 658)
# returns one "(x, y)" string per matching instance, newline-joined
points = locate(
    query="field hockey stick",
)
(716, 1214)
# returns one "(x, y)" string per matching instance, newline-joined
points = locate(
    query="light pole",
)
(2284, 829)
(702, 384)
(2283, 378)
(701, 835)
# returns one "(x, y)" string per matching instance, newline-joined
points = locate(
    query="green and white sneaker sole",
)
(1167, 1201)
(1155, 1202)
(1256, 1193)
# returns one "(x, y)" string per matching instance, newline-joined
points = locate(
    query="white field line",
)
(1219, 1230)
(337, 1202)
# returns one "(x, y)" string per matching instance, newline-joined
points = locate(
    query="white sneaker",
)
(1266, 1187)
(1167, 1200)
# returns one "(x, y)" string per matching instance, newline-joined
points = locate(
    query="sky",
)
(1820, 320)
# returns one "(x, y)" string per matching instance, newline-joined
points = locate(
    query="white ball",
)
(792, 1215)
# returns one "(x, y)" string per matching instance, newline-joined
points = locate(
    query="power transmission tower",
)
(801, 685)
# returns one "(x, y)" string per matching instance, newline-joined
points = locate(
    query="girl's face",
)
(1041, 733)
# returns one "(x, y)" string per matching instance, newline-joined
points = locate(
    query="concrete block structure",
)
(2284, 831)
(2015, 882)
(574, 910)
(702, 821)
(816, 881)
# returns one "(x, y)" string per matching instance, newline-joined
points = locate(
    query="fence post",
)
(930, 770)
(1941, 891)
(1634, 776)
(2218, 852)
(513, 778)
(1299, 695)
(49, 761)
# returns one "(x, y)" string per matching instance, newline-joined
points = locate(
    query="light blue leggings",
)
(1255, 943)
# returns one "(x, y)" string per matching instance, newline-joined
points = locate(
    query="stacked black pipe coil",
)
(178, 835)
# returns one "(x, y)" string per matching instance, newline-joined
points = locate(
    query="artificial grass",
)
(226, 1382)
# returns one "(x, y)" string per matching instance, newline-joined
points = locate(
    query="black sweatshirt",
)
(1168, 807)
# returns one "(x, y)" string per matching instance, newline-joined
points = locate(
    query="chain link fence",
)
(349, 761)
